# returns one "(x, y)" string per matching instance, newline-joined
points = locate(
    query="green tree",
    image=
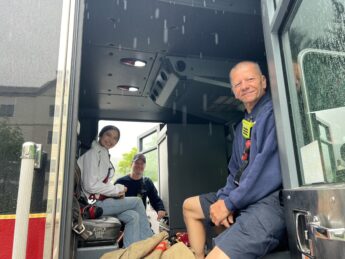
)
(11, 140)
(124, 165)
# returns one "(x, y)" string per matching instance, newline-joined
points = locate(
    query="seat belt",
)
(247, 126)
(77, 221)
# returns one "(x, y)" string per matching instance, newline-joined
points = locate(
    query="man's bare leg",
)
(217, 253)
(193, 218)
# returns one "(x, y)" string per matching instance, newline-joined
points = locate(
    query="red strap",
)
(92, 212)
(106, 179)
(162, 246)
(245, 154)
(92, 197)
(102, 197)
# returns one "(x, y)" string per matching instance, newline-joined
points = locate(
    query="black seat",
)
(104, 230)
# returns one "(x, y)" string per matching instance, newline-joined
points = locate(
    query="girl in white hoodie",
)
(96, 173)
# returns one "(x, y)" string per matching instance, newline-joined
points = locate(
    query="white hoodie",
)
(94, 166)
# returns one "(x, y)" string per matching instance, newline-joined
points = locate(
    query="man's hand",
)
(228, 221)
(219, 212)
(161, 214)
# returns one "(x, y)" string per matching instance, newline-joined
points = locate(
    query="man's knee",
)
(217, 253)
(188, 204)
(191, 207)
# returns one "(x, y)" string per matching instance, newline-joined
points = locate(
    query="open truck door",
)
(305, 50)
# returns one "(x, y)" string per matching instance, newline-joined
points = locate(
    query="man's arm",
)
(233, 166)
(152, 193)
(262, 176)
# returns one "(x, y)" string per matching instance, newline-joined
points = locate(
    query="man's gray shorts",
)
(258, 228)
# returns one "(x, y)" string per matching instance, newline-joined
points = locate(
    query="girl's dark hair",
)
(106, 128)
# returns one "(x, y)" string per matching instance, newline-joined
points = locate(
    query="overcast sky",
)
(129, 132)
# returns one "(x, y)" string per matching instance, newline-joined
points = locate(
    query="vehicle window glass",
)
(150, 141)
(315, 57)
(151, 170)
(30, 37)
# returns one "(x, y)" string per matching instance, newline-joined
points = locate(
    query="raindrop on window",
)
(176, 93)
(125, 5)
(204, 3)
(114, 26)
(182, 29)
(88, 16)
(216, 38)
(120, 47)
(157, 13)
(174, 108)
(165, 32)
(184, 115)
(213, 1)
(181, 148)
(135, 42)
(118, 2)
(210, 128)
(184, 19)
(200, 55)
(148, 41)
(204, 102)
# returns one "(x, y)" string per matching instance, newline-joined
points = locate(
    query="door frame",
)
(63, 243)
(314, 201)
(272, 19)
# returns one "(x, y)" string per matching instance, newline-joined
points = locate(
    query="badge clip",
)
(247, 126)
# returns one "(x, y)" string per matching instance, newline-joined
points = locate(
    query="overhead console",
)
(196, 86)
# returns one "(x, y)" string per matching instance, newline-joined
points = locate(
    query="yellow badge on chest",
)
(246, 128)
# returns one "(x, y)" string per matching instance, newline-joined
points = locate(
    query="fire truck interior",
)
(168, 61)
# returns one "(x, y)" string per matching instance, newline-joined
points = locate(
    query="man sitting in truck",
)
(248, 206)
(141, 186)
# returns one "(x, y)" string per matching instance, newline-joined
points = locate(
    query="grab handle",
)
(322, 232)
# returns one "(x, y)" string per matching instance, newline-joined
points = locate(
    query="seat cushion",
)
(104, 228)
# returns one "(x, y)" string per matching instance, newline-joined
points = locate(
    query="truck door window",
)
(315, 57)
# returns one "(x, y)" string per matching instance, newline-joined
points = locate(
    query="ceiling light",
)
(128, 88)
(133, 62)
(133, 89)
